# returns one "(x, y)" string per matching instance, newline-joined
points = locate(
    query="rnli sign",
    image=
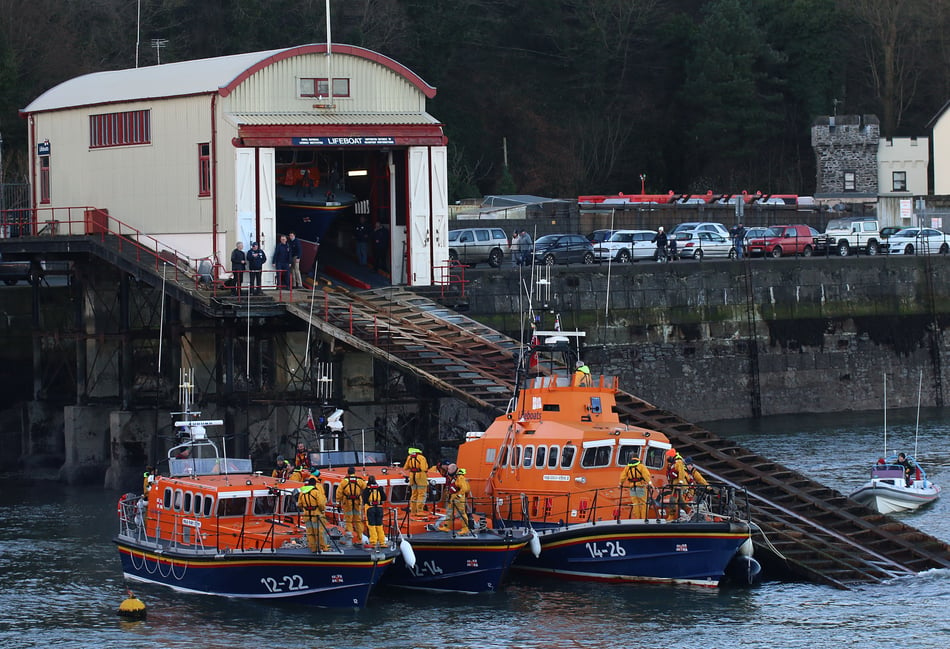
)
(42, 148)
(376, 140)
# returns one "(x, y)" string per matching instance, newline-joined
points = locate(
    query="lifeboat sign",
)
(380, 140)
(190, 522)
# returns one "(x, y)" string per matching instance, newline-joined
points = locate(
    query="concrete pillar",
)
(356, 374)
(86, 432)
(130, 434)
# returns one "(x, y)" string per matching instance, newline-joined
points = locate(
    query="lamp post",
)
(643, 183)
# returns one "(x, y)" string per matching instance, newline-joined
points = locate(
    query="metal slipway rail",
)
(807, 530)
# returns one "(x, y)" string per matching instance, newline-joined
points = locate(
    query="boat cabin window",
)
(516, 455)
(552, 457)
(504, 457)
(655, 457)
(399, 493)
(490, 455)
(541, 457)
(176, 500)
(628, 452)
(567, 457)
(290, 505)
(186, 507)
(595, 405)
(552, 407)
(167, 498)
(232, 506)
(265, 505)
(208, 507)
(528, 456)
(596, 456)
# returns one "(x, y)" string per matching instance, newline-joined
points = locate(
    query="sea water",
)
(61, 581)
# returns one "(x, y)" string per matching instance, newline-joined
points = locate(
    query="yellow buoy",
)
(132, 607)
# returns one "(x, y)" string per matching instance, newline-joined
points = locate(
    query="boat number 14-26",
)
(285, 583)
(609, 549)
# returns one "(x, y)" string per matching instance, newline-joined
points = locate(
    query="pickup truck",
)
(12, 272)
(851, 234)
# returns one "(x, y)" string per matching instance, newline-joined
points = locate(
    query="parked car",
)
(563, 249)
(626, 245)
(472, 246)
(12, 272)
(888, 231)
(698, 245)
(718, 228)
(916, 241)
(845, 235)
(780, 240)
(599, 236)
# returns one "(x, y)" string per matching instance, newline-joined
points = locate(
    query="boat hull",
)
(888, 498)
(463, 564)
(636, 551)
(308, 213)
(330, 579)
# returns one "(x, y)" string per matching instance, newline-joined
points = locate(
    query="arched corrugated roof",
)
(203, 76)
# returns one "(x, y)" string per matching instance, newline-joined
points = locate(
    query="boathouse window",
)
(899, 179)
(265, 505)
(120, 129)
(204, 169)
(232, 506)
(44, 179)
(320, 88)
(528, 456)
(596, 456)
(552, 457)
(541, 457)
(567, 457)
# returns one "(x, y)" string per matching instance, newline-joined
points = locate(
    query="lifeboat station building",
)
(202, 154)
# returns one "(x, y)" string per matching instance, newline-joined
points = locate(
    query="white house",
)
(201, 154)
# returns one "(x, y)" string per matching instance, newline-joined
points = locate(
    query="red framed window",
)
(44, 179)
(204, 169)
(320, 88)
(120, 129)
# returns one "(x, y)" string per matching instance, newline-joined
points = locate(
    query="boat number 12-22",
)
(612, 549)
(285, 583)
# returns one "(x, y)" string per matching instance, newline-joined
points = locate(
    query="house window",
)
(204, 169)
(320, 88)
(44, 179)
(850, 181)
(120, 129)
(900, 181)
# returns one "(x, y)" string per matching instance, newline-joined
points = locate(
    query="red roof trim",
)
(321, 48)
(281, 135)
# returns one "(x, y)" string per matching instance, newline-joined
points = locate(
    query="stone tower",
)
(846, 153)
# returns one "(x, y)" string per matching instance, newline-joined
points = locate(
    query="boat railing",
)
(692, 503)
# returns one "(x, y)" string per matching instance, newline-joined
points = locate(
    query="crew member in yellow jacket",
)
(350, 497)
(637, 477)
(313, 505)
(373, 498)
(417, 465)
(457, 485)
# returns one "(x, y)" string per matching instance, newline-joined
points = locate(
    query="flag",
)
(310, 424)
(557, 322)
(533, 359)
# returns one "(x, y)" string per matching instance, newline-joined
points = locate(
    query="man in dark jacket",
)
(255, 262)
(238, 267)
(294, 244)
(381, 248)
(282, 260)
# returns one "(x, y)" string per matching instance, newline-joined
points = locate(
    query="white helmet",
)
(660, 229)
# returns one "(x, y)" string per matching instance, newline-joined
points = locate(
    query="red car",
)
(783, 240)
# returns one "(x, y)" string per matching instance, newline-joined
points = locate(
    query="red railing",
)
(450, 274)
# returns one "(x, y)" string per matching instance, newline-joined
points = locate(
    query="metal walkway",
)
(806, 530)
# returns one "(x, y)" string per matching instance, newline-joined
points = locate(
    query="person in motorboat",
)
(350, 497)
(373, 499)
(456, 484)
(581, 375)
(678, 482)
(694, 477)
(302, 456)
(640, 482)
(282, 470)
(910, 468)
(417, 465)
(148, 479)
(313, 505)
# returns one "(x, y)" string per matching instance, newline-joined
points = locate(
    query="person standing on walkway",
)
(417, 466)
(361, 236)
(312, 502)
(238, 266)
(255, 264)
(738, 240)
(282, 262)
(525, 244)
(295, 252)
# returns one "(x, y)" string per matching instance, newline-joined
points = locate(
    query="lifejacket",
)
(633, 476)
(375, 496)
(351, 488)
(412, 463)
(309, 500)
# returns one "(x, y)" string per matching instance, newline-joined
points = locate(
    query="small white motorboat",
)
(892, 490)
